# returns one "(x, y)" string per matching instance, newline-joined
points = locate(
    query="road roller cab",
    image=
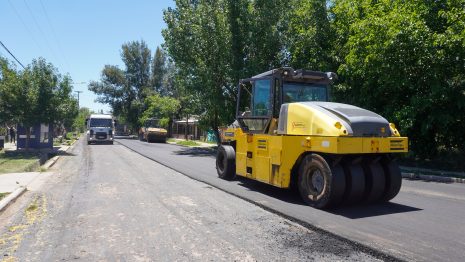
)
(287, 134)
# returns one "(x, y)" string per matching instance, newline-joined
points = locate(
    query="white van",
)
(100, 128)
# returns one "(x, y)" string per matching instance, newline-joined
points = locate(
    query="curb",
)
(11, 198)
(50, 162)
(54, 159)
(442, 179)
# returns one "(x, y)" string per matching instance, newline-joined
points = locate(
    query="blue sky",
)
(79, 37)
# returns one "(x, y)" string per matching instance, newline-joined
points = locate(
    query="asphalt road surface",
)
(425, 222)
(108, 203)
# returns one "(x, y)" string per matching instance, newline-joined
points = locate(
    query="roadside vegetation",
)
(18, 163)
(183, 142)
(187, 143)
(3, 195)
(68, 139)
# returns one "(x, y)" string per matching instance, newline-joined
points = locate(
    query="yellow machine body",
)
(151, 132)
(270, 157)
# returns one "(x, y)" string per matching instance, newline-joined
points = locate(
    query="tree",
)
(266, 41)
(9, 80)
(80, 120)
(405, 61)
(158, 71)
(161, 107)
(310, 36)
(125, 90)
(401, 59)
(197, 39)
(38, 94)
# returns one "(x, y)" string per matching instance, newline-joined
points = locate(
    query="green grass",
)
(32, 207)
(172, 140)
(16, 163)
(3, 195)
(69, 136)
(187, 143)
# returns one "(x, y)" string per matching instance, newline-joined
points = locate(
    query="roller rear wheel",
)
(393, 179)
(319, 185)
(355, 183)
(226, 162)
(375, 182)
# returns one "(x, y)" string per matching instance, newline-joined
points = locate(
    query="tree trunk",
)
(28, 135)
(215, 128)
(170, 127)
(217, 135)
(187, 127)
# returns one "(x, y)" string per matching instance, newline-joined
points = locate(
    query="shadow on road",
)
(62, 153)
(101, 143)
(363, 211)
(196, 151)
(352, 212)
(285, 195)
(126, 137)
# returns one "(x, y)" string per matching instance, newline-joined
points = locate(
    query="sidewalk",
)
(9, 146)
(11, 182)
(16, 183)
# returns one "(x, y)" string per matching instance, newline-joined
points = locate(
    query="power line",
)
(25, 26)
(40, 29)
(57, 40)
(11, 54)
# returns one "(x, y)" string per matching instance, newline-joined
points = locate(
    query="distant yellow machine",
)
(288, 135)
(152, 131)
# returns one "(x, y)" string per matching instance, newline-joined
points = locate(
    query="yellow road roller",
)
(152, 131)
(288, 135)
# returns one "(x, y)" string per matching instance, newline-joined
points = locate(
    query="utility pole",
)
(78, 92)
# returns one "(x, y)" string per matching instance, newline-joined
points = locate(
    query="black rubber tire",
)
(316, 193)
(149, 140)
(339, 185)
(111, 143)
(393, 179)
(375, 182)
(226, 162)
(355, 183)
(88, 142)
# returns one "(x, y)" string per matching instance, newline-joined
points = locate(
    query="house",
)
(178, 129)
